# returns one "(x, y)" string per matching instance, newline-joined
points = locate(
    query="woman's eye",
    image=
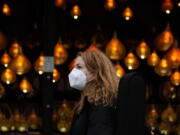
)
(79, 67)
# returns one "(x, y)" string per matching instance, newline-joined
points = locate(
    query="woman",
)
(95, 76)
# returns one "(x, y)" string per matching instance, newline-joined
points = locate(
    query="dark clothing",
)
(93, 120)
(130, 112)
(127, 119)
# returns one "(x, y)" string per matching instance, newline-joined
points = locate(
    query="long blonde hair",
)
(103, 89)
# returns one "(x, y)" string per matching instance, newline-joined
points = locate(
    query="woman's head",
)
(102, 82)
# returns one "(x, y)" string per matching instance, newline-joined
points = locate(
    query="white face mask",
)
(77, 79)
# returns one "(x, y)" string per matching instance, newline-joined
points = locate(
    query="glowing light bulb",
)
(25, 91)
(75, 17)
(168, 11)
(40, 72)
(76, 12)
(53, 81)
(7, 82)
(178, 4)
(6, 9)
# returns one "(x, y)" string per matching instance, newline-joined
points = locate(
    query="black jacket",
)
(93, 120)
(127, 119)
(130, 112)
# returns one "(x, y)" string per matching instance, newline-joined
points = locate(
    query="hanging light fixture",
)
(164, 40)
(8, 76)
(169, 114)
(153, 59)
(4, 123)
(33, 121)
(175, 78)
(5, 59)
(20, 64)
(110, 5)
(39, 63)
(151, 118)
(167, 92)
(93, 46)
(60, 54)
(165, 128)
(56, 76)
(173, 57)
(178, 3)
(120, 72)
(163, 68)
(153, 114)
(131, 61)
(15, 49)
(60, 3)
(6, 9)
(115, 50)
(22, 125)
(75, 12)
(25, 86)
(3, 41)
(143, 50)
(167, 6)
(127, 13)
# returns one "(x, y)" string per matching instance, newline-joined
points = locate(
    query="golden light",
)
(153, 59)
(127, 13)
(167, 91)
(143, 50)
(20, 64)
(163, 68)
(16, 122)
(179, 4)
(56, 76)
(115, 50)
(4, 125)
(110, 5)
(151, 117)
(167, 6)
(173, 57)
(60, 3)
(3, 41)
(76, 12)
(5, 59)
(165, 128)
(15, 49)
(164, 40)
(6, 9)
(169, 114)
(2, 91)
(8, 76)
(153, 114)
(63, 126)
(22, 126)
(25, 86)
(175, 78)
(119, 70)
(39, 63)
(72, 64)
(177, 129)
(93, 47)
(33, 121)
(60, 54)
(131, 61)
